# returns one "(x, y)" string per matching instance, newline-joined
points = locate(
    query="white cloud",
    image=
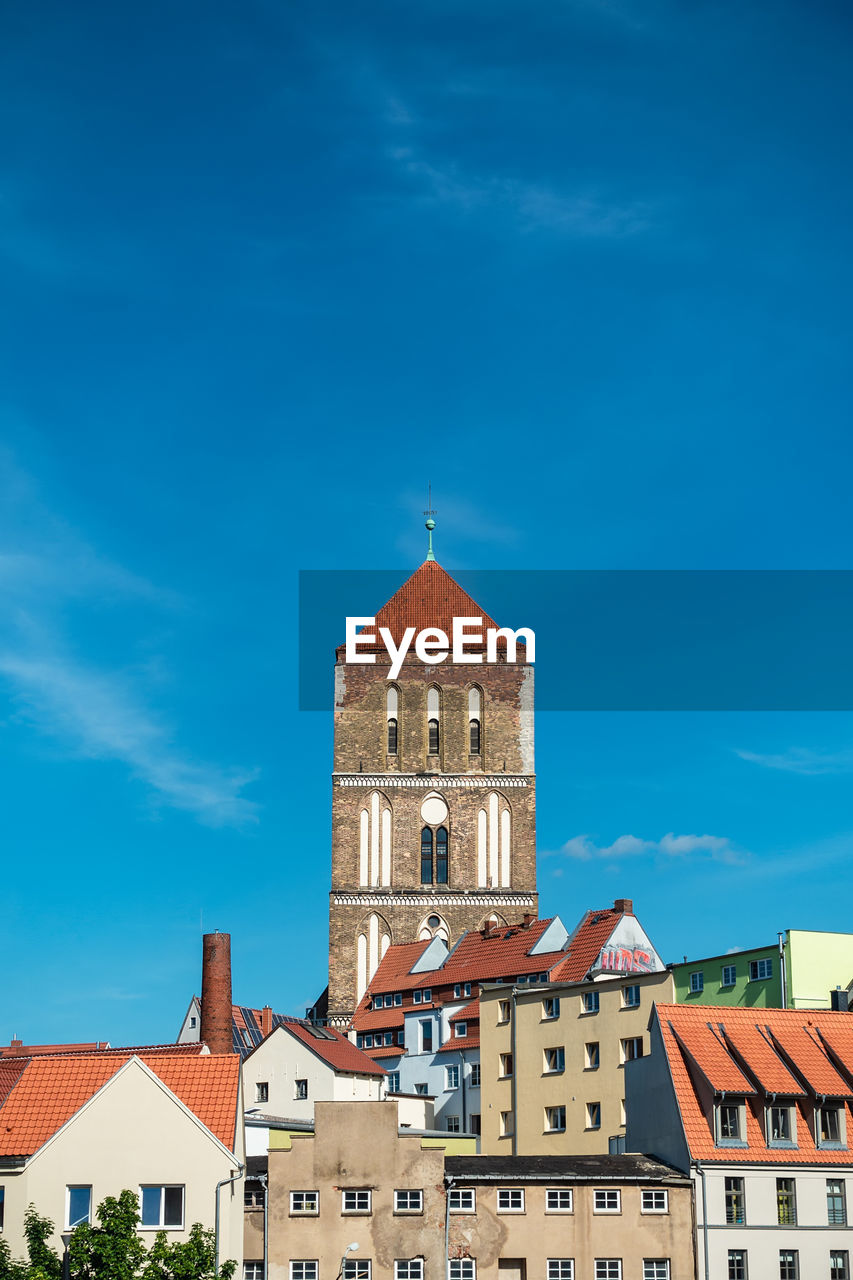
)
(802, 760)
(718, 848)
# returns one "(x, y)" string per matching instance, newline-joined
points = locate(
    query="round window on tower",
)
(433, 922)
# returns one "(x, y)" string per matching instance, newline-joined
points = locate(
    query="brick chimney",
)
(625, 905)
(266, 1020)
(216, 992)
(527, 920)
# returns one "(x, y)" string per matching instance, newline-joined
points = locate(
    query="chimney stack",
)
(625, 905)
(266, 1020)
(216, 992)
(527, 920)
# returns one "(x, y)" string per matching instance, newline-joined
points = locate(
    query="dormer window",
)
(731, 1124)
(830, 1126)
(781, 1126)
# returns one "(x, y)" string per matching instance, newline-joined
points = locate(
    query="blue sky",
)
(267, 269)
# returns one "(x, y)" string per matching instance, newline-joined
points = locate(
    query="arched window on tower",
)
(434, 721)
(392, 714)
(474, 719)
(441, 856)
(426, 855)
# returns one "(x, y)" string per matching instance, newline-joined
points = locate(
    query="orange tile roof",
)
(9, 1074)
(799, 1042)
(340, 1053)
(429, 598)
(385, 1019)
(471, 1013)
(687, 1021)
(753, 1047)
(18, 1050)
(838, 1037)
(709, 1055)
(471, 1041)
(51, 1089)
(585, 945)
(386, 1051)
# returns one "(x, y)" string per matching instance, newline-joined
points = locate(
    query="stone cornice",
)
(434, 781)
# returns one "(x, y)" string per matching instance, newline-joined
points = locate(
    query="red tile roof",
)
(709, 1056)
(684, 1040)
(9, 1073)
(429, 598)
(18, 1050)
(471, 1013)
(385, 1019)
(753, 1047)
(51, 1089)
(471, 1041)
(339, 1053)
(585, 945)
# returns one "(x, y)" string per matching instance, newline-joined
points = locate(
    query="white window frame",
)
(605, 1207)
(455, 1200)
(609, 1274)
(304, 1213)
(623, 1049)
(550, 1116)
(462, 1269)
(631, 1004)
(589, 1125)
(79, 1186)
(357, 1209)
(257, 1269)
(728, 969)
(590, 1002)
(357, 1269)
(697, 982)
(409, 1191)
(554, 1002)
(647, 1200)
(656, 1274)
(164, 1186)
(559, 1051)
(761, 970)
(560, 1269)
(559, 1193)
(408, 1269)
(262, 1091)
(460, 1030)
(475, 1075)
(504, 1059)
(451, 1077)
(504, 1193)
(454, 1124)
(304, 1262)
(507, 1124)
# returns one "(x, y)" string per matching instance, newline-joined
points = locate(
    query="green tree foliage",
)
(44, 1262)
(112, 1250)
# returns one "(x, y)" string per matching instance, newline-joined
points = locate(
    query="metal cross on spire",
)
(430, 523)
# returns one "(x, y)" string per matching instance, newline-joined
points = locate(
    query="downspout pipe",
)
(464, 1102)
(514, 1076)
(783, 972)
(705, 1243)
(448, 1184)
(223, 1182)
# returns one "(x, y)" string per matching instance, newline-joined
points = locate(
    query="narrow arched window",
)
(433, 721)
(391, 712)
(426, 856)
(441, 856)
(474, 717)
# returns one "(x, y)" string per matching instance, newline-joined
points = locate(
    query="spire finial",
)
(430, 523)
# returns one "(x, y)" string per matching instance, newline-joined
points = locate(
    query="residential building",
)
(165, 1123)
(553, 1062)
(806, 969)
(756, 1106)
(568, 1218)
(248, 1026)
(433, 808)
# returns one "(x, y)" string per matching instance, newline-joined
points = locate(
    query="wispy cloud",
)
(96, 712)
(717, 848)
(802, 760)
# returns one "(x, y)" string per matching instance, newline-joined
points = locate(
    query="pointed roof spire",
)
(430, 523)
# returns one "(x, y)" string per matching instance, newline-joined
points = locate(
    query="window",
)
(401, 1037)
(301, 1269)
(630, 997)
(608, 1269)
(305, 1202)
(632, 1048)
(561, 1269)
(451, 1077)
(729, 975)
(607, 1201)
(786, 1202)
(300, 1090)
(392, 710)
(357, 1269)
(550, 1007)
(262, 1091)
(654, 1202)
(460, 1030)
(829, 1127)
(253, 1194)
(510, 1200)
(408, 1201)
(503, 1011)
(426, 1035)
(389, 1001)
(393, 1081)
(697, 981)
(428, 990)
(355, 1201)
(193, 1021)
(789, 1264)
(461, 989)
(506, 1124)
(737, 1264)
(729, 1123)
(452, 1124)
(417, 996)
(589, 1002)
(780, 1126)
(760, 970)
(408, 1269)
(253, 1270)
(426, 855)
(506, 1064)
(441, 856)
(475, 1075)
(162, 1207)
(474, 1122)
(421, 1090)
(735, 1202)
(592, 1055)
(839, 1264)
(462, 1269)
(392, 737)
(555, 1119)
(462, 1200)
(593, 1115)
(559, 1200)
(433, 713)
(474, 737)
(836, 1202)
(433, 737)
(78, 1205)
(655, 1268)
(555, 1059)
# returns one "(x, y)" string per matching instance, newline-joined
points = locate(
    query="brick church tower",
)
(433, 792)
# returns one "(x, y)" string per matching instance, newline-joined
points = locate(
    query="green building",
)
(808, 965)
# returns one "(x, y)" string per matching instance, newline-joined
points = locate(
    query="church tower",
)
(433, 792)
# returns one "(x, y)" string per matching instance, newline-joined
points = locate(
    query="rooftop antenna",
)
(430, 523)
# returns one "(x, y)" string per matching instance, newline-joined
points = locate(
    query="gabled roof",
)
(429, 598)
(471, 1013)
(334, 1048)
(52, 1089)
(192, 1048)
(774, 1047)
(19, 1050)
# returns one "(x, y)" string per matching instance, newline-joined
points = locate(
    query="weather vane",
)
(430, 523)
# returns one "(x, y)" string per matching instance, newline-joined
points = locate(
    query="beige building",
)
(167, 1125)
(552, 1062)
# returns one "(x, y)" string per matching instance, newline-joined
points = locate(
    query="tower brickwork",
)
(433, 794)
